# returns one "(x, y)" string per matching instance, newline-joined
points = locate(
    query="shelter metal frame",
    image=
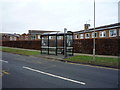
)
(56, 49)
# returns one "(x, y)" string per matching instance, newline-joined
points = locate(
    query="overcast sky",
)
(19, 16)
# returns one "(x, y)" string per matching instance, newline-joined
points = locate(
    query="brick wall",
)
(103, 46)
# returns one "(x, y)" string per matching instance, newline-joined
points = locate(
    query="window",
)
(59, 37)
(50, 37)
(68, 37)
(15, 38)
(38, 36)
(94, 34)
(33, 37)
(76, 36)
(102, 33)
(26, 37)
(11, 38)
(112, 33)
(81, 36)
(87, 35)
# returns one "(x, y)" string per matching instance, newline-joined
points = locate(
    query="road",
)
(32, 72)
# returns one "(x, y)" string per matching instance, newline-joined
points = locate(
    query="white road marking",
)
(54, 75)
(4, 61)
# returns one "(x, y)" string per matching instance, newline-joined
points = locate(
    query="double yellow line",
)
(3, 72)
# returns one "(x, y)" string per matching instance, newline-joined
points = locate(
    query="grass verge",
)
(100, 61)
(19, 51)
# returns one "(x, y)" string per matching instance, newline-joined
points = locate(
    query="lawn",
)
(19, 51)
(101, 61)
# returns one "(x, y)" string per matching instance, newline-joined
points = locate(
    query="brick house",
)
(107, 31)
(24, 36)
(10, 37)
(36, 34)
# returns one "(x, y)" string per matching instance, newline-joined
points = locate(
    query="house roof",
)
(56, 33)
(8, 34)
(40, 31)
(105, 27)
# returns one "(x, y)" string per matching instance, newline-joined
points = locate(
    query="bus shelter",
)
(57, 43)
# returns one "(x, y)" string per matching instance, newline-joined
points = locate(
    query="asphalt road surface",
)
(20, 71)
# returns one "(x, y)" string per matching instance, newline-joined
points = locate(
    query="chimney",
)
(86, 26)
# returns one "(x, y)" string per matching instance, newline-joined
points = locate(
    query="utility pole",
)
(94, 35)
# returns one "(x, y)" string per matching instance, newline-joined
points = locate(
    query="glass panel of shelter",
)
(44, 45)
(54, 44)
(69, 45)
(60, 44)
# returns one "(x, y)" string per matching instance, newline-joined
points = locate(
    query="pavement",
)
(21, 71)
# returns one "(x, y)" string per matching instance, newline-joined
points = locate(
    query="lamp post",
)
(94, 35)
